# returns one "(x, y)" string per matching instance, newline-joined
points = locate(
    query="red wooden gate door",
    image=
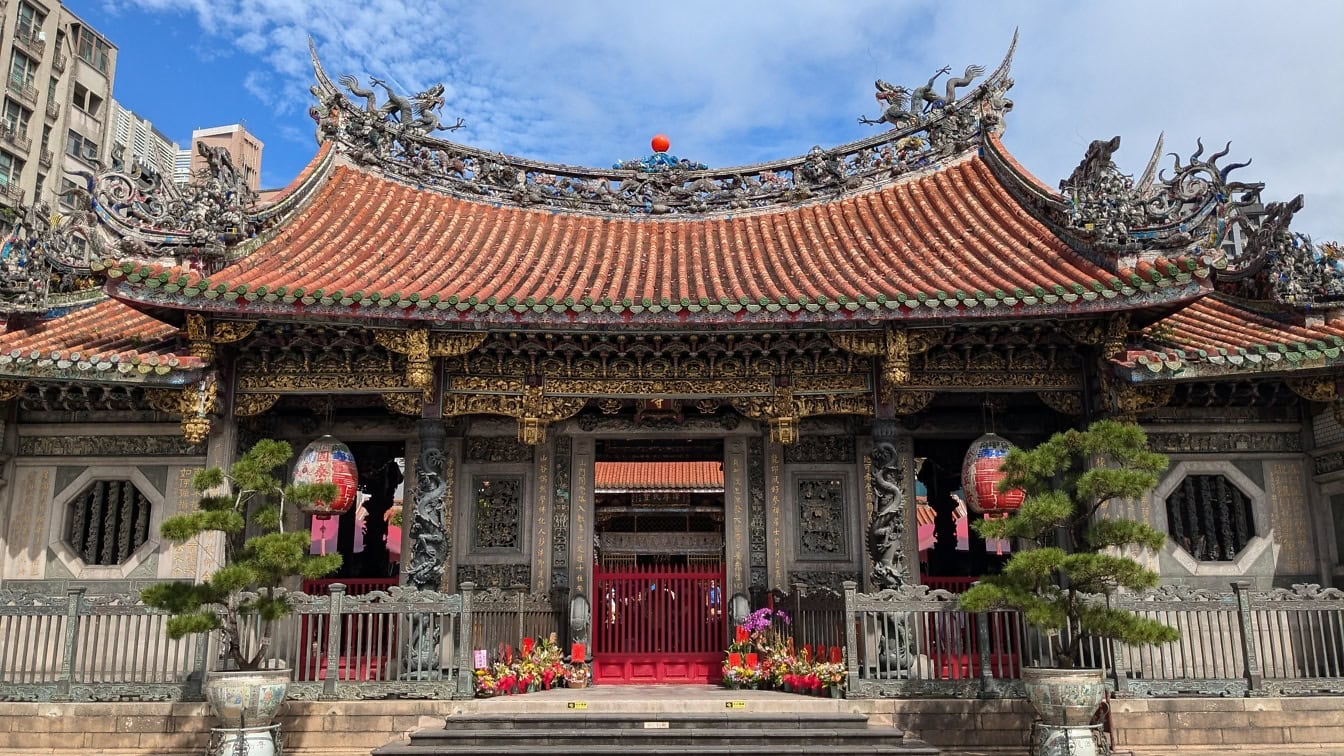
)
(658, 624)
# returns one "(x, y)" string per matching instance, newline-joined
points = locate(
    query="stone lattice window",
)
(821, 518)
(499, 515)
(1209, 517)
(109, 520)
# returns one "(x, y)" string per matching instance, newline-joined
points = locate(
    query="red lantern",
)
(980, 477)
(327, 460)
(661, 143)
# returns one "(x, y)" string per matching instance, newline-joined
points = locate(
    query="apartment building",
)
(56, 111)
(242, 146)
(136, 143)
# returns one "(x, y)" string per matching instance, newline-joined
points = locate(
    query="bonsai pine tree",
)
(1061, 586)
(256, 565)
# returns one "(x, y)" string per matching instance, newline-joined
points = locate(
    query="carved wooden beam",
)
(414, 343)
(894, 345)
(910, 402)
(1314, 389)
(11, 389)
(193, 404)
(404, 403)
(1125, 400)
(533, 409)
(198, 336)
(249, 405)
(1063, 402)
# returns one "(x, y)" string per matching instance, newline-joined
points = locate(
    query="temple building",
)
(665, 367)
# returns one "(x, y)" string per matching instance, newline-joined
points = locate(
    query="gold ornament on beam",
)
(198, 334)
(196, 404)
(11, 389)
(784, 430)
(454, 344)
(165, 400)
(1313, 389)
(1126, 400)
(250, 405)
(404, 403)
(231, 331)
(1063, 402)
(910, 402)
(894, 345)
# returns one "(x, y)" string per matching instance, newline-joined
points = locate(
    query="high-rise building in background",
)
(57, 100)
(182, 166)
(243, 147)
(135, 142)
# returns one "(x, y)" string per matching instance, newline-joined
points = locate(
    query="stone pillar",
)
(430, 547)
(892, 531)
(581, 541)
(736, 533)
(542, 467)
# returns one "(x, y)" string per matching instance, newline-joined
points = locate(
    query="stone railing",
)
(917, 641)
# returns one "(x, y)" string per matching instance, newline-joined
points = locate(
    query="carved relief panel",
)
(820, 504)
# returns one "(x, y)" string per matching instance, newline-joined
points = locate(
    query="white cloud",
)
(738, 82)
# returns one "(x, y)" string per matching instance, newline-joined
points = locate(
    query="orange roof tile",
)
(1217, 335)
(949, 242)
(108, 341)
(622, 477)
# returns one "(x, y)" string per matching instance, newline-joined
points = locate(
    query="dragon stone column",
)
(429, 550)
(890, 531)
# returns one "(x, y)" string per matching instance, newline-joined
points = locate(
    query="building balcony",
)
(14, 137)
(23, 90)
(10, 194)
(53, 108)
(59, 62)
(45, 158)
(31, 40)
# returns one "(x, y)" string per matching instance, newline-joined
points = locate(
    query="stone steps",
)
(698, 733)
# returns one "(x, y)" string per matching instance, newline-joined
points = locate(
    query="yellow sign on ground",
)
(734, 704)
(578, 704)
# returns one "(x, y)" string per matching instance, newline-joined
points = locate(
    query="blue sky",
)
(740, 82)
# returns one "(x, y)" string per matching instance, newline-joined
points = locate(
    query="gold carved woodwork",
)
(1063, 402)
(11, 389)
(1110, 334)
(610, 406)
(289, 383)
(1125, 400)
(165, 400)
(404, 403)
(784, 430)
(249, 405)
(534, 410)
(894, 345)
(454, 344)
(785, 408)
(910, 402)
(414, 343)
(198, 334)
(230, 331)
(1313, 389)
(194, 404)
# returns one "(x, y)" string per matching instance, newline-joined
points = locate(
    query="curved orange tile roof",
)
(622, 477)
(108, 341)
(1217, 335)
(951, 242)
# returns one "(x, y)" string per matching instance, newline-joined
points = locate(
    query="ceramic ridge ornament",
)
(327, 460)
(980, 476)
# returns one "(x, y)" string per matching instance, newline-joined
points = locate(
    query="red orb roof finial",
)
(661, 143)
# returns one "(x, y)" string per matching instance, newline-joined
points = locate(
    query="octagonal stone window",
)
(1209, 517)
(108, 521)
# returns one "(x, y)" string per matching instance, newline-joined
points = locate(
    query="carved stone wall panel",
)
(25, 553)
(821, 517)
(1192, 442)
(182, 561)
(496, 449)
(1291, 518)
(495, 575)
(109, 446)
(497, 513)
(822, 581)
(821, 450)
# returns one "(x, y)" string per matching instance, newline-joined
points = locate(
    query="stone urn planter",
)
(245, 704)
(1066, 700)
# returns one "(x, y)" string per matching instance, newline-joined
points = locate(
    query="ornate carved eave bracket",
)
(419, 345)
(530, 406)
(249, 405)
(1320, 388)
(786, 408)
(910, 402)
(895, 346)
(194, 404)
(11, 389)
(1124, 400)
(1111, 335)
(1063, 402)
(204, 334)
